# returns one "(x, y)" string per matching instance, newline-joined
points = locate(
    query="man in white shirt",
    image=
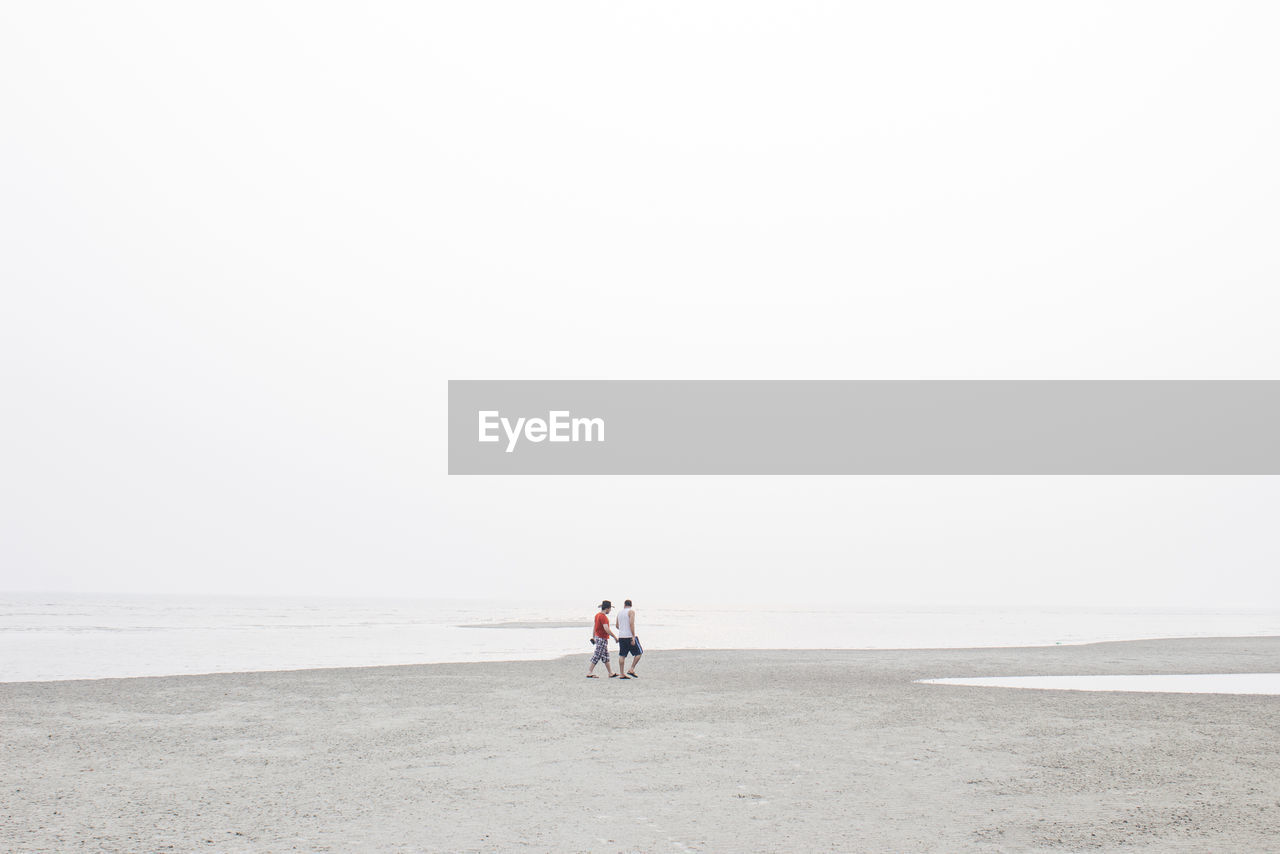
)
(628, 640)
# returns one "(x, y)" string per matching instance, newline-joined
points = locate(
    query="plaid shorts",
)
(602, 651)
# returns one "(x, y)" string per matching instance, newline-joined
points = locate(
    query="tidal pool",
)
(1188, 683)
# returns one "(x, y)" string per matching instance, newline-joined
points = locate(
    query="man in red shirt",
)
(601, 636)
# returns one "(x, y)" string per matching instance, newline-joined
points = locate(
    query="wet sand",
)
(709, 751)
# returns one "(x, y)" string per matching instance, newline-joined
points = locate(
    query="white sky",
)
(244, 245)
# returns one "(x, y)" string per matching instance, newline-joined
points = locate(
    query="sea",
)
(47, 637)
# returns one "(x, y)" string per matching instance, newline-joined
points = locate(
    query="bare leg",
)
(634, 662)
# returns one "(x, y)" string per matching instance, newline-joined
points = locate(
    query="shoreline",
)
(664, 651)
(708, 751)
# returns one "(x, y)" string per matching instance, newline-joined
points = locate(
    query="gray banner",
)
(863, 427)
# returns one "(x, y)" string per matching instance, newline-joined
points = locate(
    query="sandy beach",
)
(709, 751)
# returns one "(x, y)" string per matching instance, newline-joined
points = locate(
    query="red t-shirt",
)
(602, 625)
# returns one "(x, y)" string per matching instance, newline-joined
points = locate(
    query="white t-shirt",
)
(624, 623)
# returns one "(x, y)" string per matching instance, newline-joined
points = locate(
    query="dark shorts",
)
(628, 646)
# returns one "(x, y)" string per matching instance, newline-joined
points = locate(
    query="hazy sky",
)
(244, 245)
